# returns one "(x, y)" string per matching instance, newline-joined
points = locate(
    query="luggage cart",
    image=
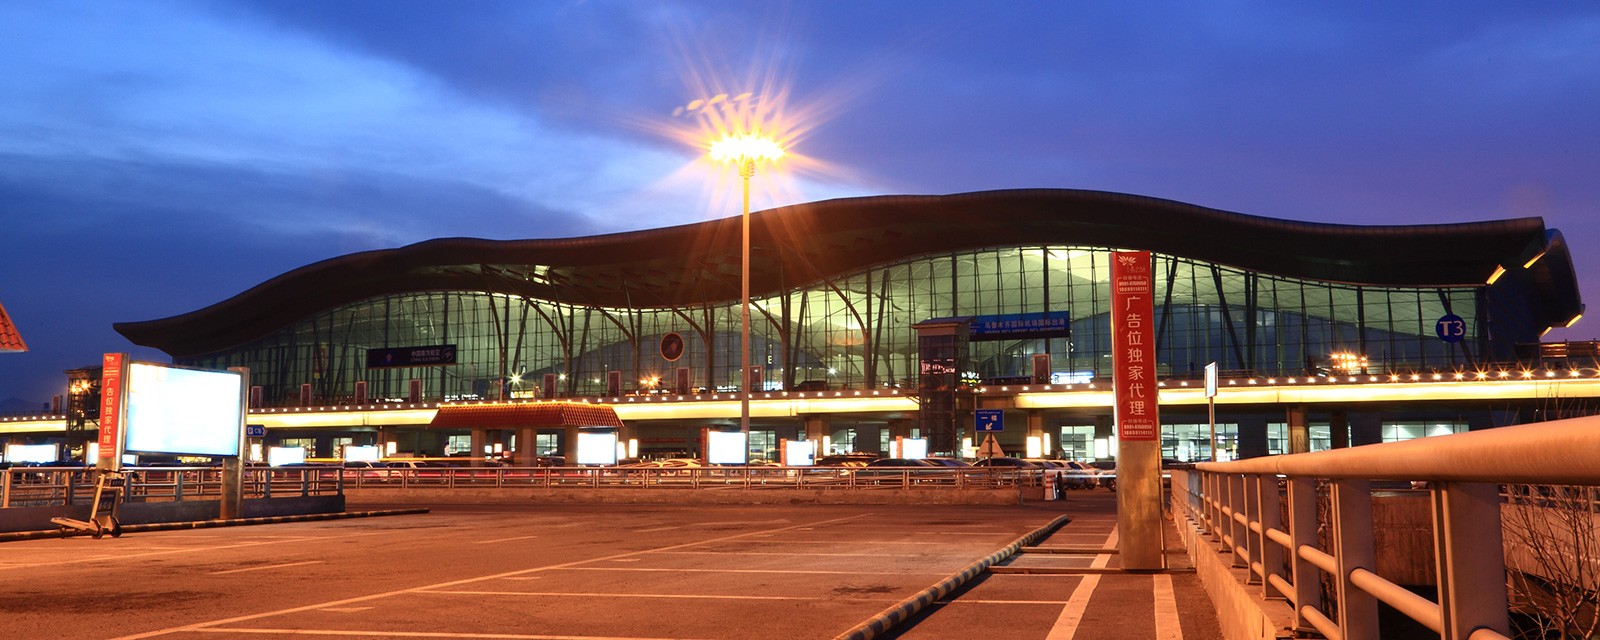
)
(108, 491)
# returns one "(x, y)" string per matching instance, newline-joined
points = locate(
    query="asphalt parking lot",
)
(521, 572)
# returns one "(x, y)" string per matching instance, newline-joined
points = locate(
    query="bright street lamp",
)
(745, 150)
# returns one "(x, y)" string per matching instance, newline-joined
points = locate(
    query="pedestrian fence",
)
(48, 486)
(1301, 525)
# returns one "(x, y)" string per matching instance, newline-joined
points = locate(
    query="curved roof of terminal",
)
(698, 263)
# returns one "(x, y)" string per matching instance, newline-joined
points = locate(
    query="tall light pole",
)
(745, 150)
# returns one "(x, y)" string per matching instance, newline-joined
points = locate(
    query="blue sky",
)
(158, 157)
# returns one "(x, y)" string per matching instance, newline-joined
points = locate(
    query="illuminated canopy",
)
(802, 244)
(525, 415)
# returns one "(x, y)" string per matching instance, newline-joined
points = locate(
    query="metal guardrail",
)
(55, 486)
(50, 486)
(1242, 506)
(756, 477)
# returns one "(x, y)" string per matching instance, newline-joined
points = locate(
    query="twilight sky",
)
(158, 157)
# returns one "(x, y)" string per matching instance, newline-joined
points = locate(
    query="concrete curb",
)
(208, 524)
(888, 618)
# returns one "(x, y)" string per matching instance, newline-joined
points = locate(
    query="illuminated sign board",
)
(597, 447)
(182, 411)
(411, 356)
(1014, 326)
(725, 447)
(1133, 355)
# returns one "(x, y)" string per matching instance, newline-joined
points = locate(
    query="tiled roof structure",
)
(10, 339)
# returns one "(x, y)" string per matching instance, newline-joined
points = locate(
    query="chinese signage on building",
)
(1133, 346)
(1049, 324)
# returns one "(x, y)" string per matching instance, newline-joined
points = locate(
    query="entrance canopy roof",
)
(524, 415)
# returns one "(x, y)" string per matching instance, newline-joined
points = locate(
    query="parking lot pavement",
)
(526, 571)
(1080, 595)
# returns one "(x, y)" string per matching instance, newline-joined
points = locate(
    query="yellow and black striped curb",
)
(888, 618)
(207, 524)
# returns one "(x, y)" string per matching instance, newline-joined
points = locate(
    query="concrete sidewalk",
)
(1067, 586)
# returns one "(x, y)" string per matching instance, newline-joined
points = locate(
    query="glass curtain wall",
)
(855, 330)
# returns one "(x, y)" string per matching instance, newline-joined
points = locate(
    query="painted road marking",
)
(505, 539)
(694, 596)
(794, 553)
(209, 626)
(413, 634)
(796, 571)
(270, 566)
(1072, 615)
(1167, 626)
(191, 550)
(712, 524)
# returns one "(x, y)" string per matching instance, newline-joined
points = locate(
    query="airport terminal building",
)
(849, 294)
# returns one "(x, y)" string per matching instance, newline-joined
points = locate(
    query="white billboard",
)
(597, 447)
(279, 456)
(183, 411)
(800, 453)
(725, 447)
(362, 454)
(34, 453)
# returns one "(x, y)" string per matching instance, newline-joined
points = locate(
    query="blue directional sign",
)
(1451, 328)
(989, 420)
(255, 431)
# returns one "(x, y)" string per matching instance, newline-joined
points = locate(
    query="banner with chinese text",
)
(1133, 354)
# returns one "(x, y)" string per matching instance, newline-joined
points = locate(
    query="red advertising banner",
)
(1133, 355)
(111, 405)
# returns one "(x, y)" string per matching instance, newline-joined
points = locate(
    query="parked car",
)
(846, 459)
(1081, 476)
(1107, 470)
(1004, 462)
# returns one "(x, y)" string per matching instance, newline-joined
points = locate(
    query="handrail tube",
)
(1414, 606)
(1283, 587)
(1319, 558)
(1241, 518)
(1556, 452)
(1485, 633)
(1255, 526)
(1281, 537)
(1328, 628)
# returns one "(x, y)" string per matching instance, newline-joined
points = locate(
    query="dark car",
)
(1012, 463)
(846, 460)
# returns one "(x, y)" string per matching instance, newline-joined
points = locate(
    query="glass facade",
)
(855, 331)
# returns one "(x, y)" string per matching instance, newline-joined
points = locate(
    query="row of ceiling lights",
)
(1475, 376)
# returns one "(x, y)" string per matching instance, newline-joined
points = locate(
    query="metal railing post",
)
(1208, 504)
(1269, 512)
(5, 488)
(1352, 540)
(1250, 491)
(1237, 533)
(1468, 556)
(1303, 530)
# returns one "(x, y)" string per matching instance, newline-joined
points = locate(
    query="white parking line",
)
(1072, 615)
(795, 571)
(683, 596)
(270, 566)
(210, 626)
(1167, 625)
(793, 553)
(112, 554)
(505, 540)
(413, 634)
